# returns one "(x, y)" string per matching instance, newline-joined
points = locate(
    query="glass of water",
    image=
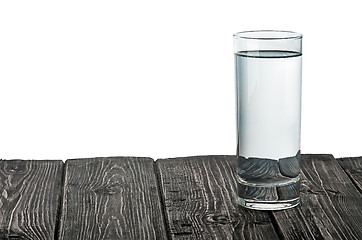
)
(268, 67)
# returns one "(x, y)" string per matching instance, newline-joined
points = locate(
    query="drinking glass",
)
(268, 67)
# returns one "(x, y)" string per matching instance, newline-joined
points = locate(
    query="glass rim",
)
(277, 35)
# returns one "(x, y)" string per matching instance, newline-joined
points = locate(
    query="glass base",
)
(268, 205)
(271, 194)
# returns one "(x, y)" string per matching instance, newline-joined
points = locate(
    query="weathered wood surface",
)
(200, 201)
(119, 198)
(29, 198)
(331, 206)
(111, 198)
(353, 167)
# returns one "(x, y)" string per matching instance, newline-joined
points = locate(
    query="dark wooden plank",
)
(353, 167)
(199, 196)
(111, 198)
(29, 198)
(330, 204)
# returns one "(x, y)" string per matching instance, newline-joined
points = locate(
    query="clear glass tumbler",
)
(268, 67)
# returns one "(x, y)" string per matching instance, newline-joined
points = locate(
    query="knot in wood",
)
(219, 219)
(16, 167)
(108, 189)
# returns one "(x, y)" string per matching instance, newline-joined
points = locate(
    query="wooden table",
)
(178, 198)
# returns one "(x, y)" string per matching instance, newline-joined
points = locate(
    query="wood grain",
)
(330, 204)
(353, 167)
(111, 198)
(199, 196)
(29, 198)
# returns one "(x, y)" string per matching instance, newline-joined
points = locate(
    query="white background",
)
(156, 78)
